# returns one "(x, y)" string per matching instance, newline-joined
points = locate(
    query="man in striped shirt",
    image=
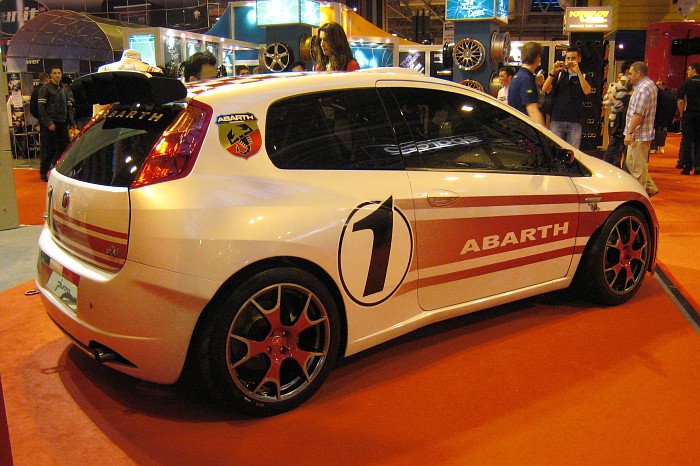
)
(639, 125)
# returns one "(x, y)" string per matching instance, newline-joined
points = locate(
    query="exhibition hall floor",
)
(546, 380)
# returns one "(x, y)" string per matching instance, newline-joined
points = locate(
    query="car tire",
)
(616, 261)
(271, 344)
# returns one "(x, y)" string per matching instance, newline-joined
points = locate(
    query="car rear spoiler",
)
(126, 87)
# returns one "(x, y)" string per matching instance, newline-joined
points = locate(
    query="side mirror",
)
(564, 155)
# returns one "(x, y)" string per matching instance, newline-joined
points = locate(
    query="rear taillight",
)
(174, 154)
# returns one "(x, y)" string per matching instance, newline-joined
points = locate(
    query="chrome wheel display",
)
(308, 47)
(275, 57)
(448, 55)
(494, 84)
(500, 46)
(473, 84)
(469, 54)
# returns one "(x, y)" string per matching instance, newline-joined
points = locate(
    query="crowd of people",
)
(52, 103)
(640, 111)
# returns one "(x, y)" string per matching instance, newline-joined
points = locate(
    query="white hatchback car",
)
(259, 228)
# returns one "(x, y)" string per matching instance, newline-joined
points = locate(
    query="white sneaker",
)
(661, 150)
(653, 151)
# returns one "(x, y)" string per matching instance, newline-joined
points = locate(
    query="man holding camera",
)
(568, 86)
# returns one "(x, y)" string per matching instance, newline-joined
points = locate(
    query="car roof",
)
(274, 85)
(129, 87)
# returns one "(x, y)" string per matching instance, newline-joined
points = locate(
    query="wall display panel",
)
(146, 45)
(412, 60)
(373, 55)
(192, 46)
(212, 47)
(172, 49)
(227, 59)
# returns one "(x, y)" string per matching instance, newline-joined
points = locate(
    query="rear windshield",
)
(111, 152)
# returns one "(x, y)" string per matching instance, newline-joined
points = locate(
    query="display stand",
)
(9, 216)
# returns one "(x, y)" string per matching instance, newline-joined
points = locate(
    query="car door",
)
(494, 212)
(342, 144)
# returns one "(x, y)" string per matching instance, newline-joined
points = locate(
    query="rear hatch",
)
(88, 203)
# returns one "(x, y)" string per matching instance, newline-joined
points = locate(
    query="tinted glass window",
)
(454, 131)
(112, 150)
(336, 130)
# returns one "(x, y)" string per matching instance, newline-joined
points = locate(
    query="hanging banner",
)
(11, 19)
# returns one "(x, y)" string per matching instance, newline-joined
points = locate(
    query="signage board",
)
(588, 19)
(469, 10)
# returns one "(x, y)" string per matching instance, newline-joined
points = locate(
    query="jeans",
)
(570, 132)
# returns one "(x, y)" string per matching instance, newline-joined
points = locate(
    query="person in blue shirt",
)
(523, 94)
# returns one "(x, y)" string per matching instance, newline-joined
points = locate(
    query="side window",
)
(336, 130)
(453, 131)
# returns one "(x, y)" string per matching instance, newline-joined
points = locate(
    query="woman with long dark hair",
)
(335, 51)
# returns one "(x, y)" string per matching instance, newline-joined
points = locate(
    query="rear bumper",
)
(144, 314)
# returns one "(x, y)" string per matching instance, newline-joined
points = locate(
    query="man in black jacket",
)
(34, 99)
(618, 100)
(689, 109)
(55, 118)
(665, 111)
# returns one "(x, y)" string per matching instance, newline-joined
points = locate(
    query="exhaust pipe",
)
(103, 355)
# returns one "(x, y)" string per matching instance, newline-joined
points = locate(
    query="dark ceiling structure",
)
(68, 34)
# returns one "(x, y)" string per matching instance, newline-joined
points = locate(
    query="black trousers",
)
(53, 143)
(690, 126)
(616, 148)
(660, 138)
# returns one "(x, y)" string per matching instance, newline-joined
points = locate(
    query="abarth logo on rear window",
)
(239, 134)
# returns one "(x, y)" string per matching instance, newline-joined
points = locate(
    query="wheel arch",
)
(585, 280)
(651, 220)
(653, 227)
(270, 263)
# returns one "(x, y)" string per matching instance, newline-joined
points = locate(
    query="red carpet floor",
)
(541, 381)
(678, 210)
(30, 192)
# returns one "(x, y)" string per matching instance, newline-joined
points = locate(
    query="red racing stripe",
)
(491, 268)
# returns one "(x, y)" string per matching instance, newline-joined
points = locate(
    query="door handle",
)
(441, 197)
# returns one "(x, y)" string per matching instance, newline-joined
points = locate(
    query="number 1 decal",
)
(381, 223)
(375, 251)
